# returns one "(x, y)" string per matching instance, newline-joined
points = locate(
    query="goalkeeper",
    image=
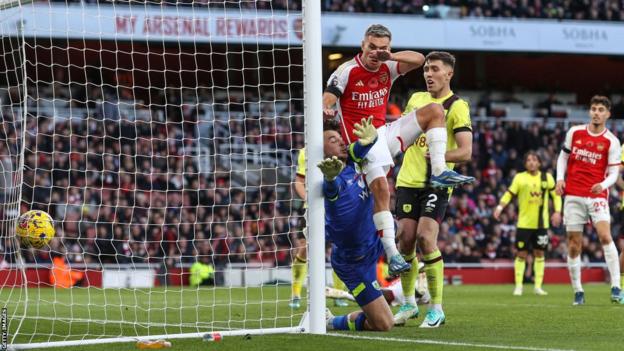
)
(349, 226)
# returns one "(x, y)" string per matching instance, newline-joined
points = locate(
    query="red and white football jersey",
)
(590, 157)
(362, 93)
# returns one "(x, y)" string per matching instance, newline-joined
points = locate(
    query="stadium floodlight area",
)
(162, 138)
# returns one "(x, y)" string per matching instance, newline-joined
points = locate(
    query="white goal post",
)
(162, 137)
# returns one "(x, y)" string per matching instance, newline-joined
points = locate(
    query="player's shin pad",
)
(434, 269)
(539, 266)
(613, 263)
(436, 141)
(519, 268)
(384, 223)
(299, 270)
(408, 279)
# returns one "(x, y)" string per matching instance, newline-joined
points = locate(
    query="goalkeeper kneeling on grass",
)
(349, 226)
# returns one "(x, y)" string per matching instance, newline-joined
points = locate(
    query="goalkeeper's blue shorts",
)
(359, 274)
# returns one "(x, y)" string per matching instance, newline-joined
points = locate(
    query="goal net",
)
(162, 137)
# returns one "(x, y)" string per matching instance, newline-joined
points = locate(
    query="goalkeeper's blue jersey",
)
(349, 210)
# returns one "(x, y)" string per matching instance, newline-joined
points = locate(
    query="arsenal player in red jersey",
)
(587, 166)
(360, 88)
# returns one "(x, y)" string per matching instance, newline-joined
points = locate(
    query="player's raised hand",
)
(560, 187)
(596, 189)
(328, 113)
(331, 167)
(365, 131)
(381, 55)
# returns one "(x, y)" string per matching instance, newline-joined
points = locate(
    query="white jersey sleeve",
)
(337, 82)
(567, 144)
(615, 151)
(393, 66)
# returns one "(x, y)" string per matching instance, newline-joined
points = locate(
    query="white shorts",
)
(392, 139)
(578, 210)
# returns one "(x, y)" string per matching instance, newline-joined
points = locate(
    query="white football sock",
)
(574, 267)
(384, 222)
(436, 140)
(613, 263)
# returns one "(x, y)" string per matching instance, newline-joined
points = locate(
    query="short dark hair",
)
(600, 100)
(532, 153)
(331, 124)
(446, 57)
(379, 31)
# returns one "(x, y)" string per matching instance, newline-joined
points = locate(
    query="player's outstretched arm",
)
(331, 168)
(408, 60)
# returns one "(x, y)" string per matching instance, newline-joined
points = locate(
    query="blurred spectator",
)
(617, 111)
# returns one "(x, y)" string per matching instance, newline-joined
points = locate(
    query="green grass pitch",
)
(478, 318)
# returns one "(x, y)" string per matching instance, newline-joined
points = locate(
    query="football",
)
(35, 229)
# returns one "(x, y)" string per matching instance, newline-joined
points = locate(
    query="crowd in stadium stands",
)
(599, 10)
(130, 191)
(596, 10)
(469, 234)
(125, 191)
(215, 4)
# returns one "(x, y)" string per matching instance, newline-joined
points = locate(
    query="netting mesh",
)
(165, 156)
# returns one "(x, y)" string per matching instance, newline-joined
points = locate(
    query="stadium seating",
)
(598, 10)
(468, 235)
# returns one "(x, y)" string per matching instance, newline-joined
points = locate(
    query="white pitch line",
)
(448, 343)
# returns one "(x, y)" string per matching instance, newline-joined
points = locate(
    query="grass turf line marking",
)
(447, 343)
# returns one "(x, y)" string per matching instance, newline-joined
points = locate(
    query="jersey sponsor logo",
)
(359, 83)
(535, 193)
(407, 208)
(586, 155)
(370, 99)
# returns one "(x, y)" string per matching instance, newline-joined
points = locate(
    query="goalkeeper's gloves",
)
(331, 167)
(366, 132)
